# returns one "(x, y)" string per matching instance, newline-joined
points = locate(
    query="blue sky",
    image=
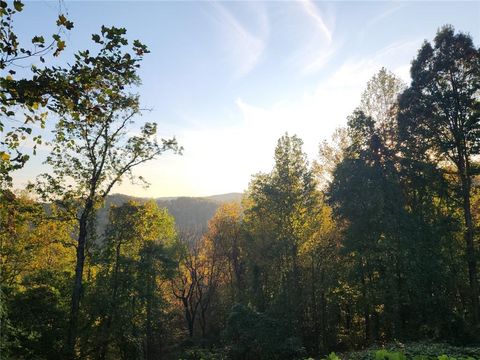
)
(229, 78)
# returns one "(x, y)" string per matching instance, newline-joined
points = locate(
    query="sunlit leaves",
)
(63, 21)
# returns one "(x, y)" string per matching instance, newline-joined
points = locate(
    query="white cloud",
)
(316, 61)
(244, 48)
(384, 14)
(320, 47)
(312, 11)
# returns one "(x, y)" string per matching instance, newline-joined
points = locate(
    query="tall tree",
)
(440, 115)
(380, 102)
(185, 286)
(330, 154)
(92, 150)
(36, 257)
(224, 238)
(277, 217)
(359, 195)
(198, 278)
(126, 303)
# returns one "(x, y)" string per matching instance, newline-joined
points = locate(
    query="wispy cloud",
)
(398, 56)
(378, 18)
(384, 14)
(312, 11)
(244, 47)
(318, 59)
(321, 47)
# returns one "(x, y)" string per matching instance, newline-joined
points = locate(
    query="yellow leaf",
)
(4, 156)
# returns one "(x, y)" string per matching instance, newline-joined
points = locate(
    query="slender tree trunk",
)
(150, 351)
(189, 317)
(112, 314)
(323, 309)
(203, 322)
(77, 289)
(296, 300)
(316, 331)
(366, 313)
(77, 286)
(348, 320)
(470, 247)
(237, 271)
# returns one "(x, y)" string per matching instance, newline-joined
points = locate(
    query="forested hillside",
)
(188, 212)
(373, 244)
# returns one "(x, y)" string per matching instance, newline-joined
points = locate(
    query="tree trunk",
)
(112, 314)
(470, 248)
(150, 351)
(237, 271)
(77, 286)
(203, 322)
(366, 313)
(189, 317)
(323, 309)
(315, 320)
(296, 297)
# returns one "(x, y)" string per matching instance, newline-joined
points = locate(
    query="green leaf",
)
(18, 5)
(38, 40)
(60, 45)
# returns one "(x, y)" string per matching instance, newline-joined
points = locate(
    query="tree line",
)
(375, 241)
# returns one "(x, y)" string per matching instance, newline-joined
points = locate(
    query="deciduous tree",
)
(92, 148)
(440, 115)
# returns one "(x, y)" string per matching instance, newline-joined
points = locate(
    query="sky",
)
(227, 79)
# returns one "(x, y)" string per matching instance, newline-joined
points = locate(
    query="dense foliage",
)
(374, 243)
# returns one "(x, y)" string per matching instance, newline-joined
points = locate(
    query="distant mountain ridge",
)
(224, 198)
(189, 212)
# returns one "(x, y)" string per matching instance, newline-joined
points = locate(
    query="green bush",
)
(203, 354)
(415, 351)
(332, 356)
